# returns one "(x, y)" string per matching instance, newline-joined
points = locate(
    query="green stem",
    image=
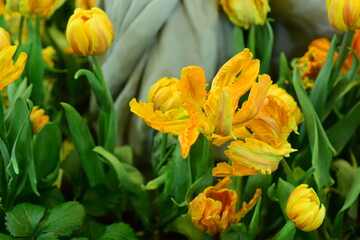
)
(343, 54)
(205, 159)
(238, 40)
(21, 26)
(288, 171)
(287, 232)
(99, 72)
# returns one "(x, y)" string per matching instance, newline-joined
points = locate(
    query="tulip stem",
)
(99, 72)
(288, 171)
(21, 26)
(343, 53)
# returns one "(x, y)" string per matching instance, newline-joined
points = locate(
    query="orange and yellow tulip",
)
(44, 8)
(38, 119)
(89, 32)
(213, 210)
(304, 209)
(215, 113)
(246, 12)
(344, 15)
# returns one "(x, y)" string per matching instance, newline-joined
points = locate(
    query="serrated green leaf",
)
(118, 231)
(63, 219)
(84, 145)
(47, 236)
(321, 148)
(23, 219)
(254, 224)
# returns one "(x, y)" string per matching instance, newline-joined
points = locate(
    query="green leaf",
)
(306, 176)
(118, 231)
(3, 236)
(23, 219)
(156, 182)
(35, 63)
(340, 133)
(184, 226)
(287, 232)
(320, 145)
(354, 191)
(284, 70)
(235, 232)
(21, 90)
(138, 196)
(47, 236)
(100, 93)
(124, 154)
(254, 224)
(63, 219)
(47, 145)
(321, 89)
(99, 200)
(84, 145)
(284, 190)
(264, 45)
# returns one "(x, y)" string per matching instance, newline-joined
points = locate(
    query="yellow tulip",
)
(4, 38)
(215, 114)
(2, 7)
(45, 8)
(89, 32)
(38, 119)
(47, 54)
(213, 210)
(164, 94)
(304, 209)
(85, 4)
(9, 72)
(246, 12)
(344, 15)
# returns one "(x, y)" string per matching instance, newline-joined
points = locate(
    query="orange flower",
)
(313, 60)
(45, 8)
(304, 209)
(38, 119)
(213, 210)
(214, 113)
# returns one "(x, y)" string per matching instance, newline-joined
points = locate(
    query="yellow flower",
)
(9, 72)
(45, 8)
(85, 4)
(215, 114)
(89, 32)
(344, 15)
(213, 210)
(246, 12)
(38, 119)
(164, 94)
(304, 209)
(47, 54)
(4, 38)
(2, 7)
(263, 148)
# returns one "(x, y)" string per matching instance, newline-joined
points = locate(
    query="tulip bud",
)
(304, 210)
(246, 12)
(89, 32)
(213, 210)
(164, 94)
(344, 15)
(4, 38)
(48, 54)
(9, 72)
(38, 119)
